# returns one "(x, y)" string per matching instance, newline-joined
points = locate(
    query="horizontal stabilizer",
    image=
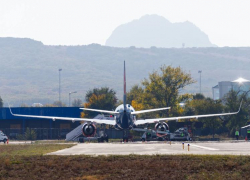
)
(149, 110)
(99, 110)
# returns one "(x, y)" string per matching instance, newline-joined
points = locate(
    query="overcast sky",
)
(80, 22)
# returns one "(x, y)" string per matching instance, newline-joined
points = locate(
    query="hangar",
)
(12, 126)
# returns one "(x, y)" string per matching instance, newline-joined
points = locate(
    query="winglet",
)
(10, 110)
(240, 106)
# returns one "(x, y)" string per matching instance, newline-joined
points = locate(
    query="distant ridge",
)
(29, 69)
(10, 41)
(154, 30)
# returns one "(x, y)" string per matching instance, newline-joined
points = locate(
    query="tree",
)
(232, 101)
(30, 134)
(200, 105)
(1, 102)
(99, 98)
(198, 96)
(135, 97)
(59, 104)
(161, 89)
(77, 103)
(24, 105)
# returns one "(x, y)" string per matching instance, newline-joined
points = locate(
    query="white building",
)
(223, 87)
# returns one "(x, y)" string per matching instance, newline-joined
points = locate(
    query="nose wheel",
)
(125, 136)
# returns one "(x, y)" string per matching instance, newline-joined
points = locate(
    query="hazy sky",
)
(79, 22)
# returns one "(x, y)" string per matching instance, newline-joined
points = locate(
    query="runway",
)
(153, 148)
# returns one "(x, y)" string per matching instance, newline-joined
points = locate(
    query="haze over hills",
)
(29, 69)
(154, 30)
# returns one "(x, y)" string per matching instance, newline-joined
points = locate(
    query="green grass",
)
(30, 149)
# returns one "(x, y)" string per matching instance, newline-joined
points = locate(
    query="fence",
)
(54, 133)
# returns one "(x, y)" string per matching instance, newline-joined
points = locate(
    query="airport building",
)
(14, 126)
(223, 87)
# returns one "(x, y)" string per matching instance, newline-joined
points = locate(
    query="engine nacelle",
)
(161, 127)
(88, 130)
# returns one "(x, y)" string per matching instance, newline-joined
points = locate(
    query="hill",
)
(154, 30)
(29, 69)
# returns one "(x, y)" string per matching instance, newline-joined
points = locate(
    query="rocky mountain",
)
(154, 30)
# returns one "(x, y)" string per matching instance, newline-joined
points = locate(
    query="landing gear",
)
(103, 136)
(160, 138)
(125, 136)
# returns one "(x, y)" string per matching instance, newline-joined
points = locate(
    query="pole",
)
(69, 97)
(60, 84)
(200, 80)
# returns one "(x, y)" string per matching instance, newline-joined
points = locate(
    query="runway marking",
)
(203, 147)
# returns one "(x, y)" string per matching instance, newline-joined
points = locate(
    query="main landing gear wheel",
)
(125, 136)
(125, 139)
(102, 139)
(103, 136)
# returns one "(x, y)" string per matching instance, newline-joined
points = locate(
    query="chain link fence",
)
(53, 133)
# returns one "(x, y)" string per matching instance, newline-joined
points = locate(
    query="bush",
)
(30, 134)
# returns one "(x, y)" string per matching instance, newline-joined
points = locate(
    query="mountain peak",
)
(155, 30)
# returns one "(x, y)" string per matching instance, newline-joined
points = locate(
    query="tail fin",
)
(124, 88)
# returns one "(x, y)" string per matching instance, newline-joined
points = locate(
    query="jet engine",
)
(161, 127)
(88, 130)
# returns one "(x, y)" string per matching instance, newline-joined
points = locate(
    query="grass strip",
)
(191, 167)
(31, 149)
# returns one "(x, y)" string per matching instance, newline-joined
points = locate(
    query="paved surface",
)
(151, 148)
(17, 142)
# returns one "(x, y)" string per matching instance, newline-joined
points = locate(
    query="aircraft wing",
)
(99, 110)
(149, 110)
(98, 121)
(156, 120)
(245, 126)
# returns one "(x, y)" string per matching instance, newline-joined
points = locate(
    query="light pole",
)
(69, 96)
(200, 79)
(60, 84)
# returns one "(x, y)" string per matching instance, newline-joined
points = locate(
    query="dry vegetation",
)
(30, 149)
(121, 167)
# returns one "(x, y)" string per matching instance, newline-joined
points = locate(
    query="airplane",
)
(124, 117)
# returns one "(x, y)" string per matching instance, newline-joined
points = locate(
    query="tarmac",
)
(154, 148)
(17, 142)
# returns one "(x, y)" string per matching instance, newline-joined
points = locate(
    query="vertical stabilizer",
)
(124, 88)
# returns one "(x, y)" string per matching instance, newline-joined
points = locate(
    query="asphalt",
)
(153, 148)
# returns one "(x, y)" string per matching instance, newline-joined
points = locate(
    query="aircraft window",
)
(128, 105)
(132, 111)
